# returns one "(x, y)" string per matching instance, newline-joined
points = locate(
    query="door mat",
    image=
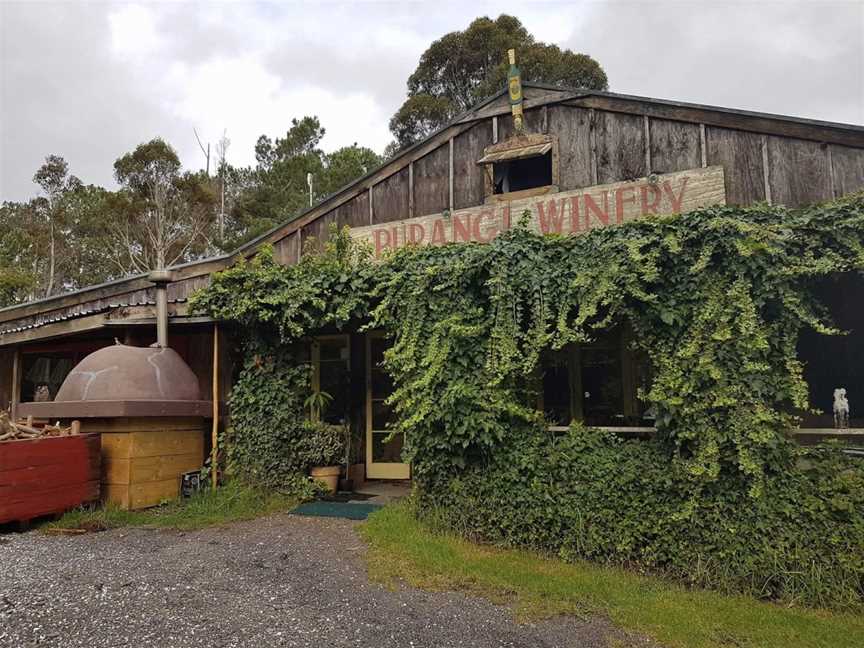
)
(348, 510)
(346, 497)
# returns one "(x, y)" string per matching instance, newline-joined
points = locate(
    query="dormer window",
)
(521, 166)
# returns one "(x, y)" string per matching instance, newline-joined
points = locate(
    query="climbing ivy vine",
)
(716, 298)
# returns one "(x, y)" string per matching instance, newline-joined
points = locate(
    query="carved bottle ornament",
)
(514, 86)
(841, 409)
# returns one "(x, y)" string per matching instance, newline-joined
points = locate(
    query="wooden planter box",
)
(45, 476)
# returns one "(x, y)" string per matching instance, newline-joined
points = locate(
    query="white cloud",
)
(92, 80)
(134, 32)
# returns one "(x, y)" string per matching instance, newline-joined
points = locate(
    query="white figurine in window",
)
(841, 409)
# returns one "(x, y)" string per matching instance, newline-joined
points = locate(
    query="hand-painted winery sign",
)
(567, 212)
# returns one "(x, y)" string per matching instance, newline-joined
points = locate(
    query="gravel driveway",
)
(278, 581)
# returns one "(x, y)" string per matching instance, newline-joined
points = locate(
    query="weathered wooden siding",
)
(432, 182)
(287, 250)
(355, 212)
(798, 171)
(390, 198)
(601, 139)
(620, 145)
(675, 146)
(848, 169)
(317, 229)
(467, 174)
(573, 128)
(740, 153)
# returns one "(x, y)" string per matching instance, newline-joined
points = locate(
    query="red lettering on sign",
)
(575, 225)
(505, 218)
(676, 201)
(438, 233)
(591, 207)
(620, 199)
(650, 208)
(484, 236)
(461, 228)
(554, 221)
(382, 240)
(416, 233)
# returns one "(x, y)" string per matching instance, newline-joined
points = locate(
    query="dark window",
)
(597, 383)
(43, 374)
(526, 173)
(836, 361)
(334, 377)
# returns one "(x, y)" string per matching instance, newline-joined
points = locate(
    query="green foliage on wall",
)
(716, 298)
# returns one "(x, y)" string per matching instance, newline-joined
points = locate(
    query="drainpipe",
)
(161, 279)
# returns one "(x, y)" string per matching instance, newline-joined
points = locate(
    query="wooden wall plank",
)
(573, 127)
(467, 174)
(740, 154)
(674, 146)
(390, 197)
(317, 229)
(798, 171)
(355, 212)
(431, 182)
(532, 123)
(285, 250)
(620, 147)
(848, 169)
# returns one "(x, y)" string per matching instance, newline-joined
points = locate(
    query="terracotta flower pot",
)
(327, 475)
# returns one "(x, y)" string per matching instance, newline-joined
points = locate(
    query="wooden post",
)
(451, 174)
(214, 455)
(16, 385)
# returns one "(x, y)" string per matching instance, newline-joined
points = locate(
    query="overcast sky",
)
(90, 81)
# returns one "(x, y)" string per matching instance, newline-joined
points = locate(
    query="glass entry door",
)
(383, 457)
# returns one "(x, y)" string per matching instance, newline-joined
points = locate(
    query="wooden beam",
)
(451, 174)
(495, 130)
(703, 145)
(16, 385)
(214, 432)
(765, 175)
(411, 189)
(592, 121)
(646, 134)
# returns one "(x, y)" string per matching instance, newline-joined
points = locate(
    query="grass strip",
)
(230, 503)
(400, 547)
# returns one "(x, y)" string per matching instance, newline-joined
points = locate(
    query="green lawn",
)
(402, 548)
(229, 503)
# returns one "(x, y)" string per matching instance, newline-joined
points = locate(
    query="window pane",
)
(556, 390)
(602, 402)
(382, 415)
(389, 451)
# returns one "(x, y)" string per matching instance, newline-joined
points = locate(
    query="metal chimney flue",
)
(161, 279)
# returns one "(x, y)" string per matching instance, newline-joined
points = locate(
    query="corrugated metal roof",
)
(520, 153)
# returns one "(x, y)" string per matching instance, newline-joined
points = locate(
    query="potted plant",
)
(324, 444)
(324, 447)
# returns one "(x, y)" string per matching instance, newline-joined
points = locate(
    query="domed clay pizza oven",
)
(145, 402)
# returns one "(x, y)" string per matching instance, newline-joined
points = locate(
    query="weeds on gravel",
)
(401, 548)
(230, 503)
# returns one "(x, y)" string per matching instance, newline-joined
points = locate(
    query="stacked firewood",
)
(31, 429)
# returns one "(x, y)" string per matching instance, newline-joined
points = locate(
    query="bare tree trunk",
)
(51, 255)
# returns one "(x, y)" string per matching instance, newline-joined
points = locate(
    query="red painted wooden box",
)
(50, 475)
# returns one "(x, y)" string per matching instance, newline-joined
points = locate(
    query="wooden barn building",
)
(586, 159)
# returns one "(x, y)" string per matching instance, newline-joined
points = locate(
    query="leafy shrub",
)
(589, 494)
(268, 419)
(322, 444)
